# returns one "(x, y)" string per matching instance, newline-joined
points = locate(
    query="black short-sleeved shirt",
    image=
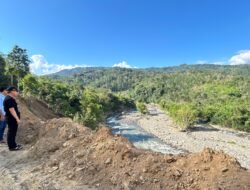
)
(8, 103)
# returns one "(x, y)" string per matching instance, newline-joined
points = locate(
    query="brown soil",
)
(34, 113)
(36, 108)
(61, 154)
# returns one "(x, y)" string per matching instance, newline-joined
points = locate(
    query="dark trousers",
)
(2, 128)
(11, 135)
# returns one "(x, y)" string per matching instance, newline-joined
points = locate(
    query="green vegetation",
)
(17, 64)
(92, 110)
(184, 114)
(196, 93)
(3, 77)
(141, 107)
(85, 105)
(190, 94)
(62, 98)
(115, 79)
(231, 142)
(14, 66)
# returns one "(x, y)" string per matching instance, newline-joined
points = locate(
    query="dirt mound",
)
(61, 154)
(33, 114)
(99, 159)
(37, 108)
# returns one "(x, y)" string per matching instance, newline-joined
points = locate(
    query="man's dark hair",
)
(12, 88)
(2, 89)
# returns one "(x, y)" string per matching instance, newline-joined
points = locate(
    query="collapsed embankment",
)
(60, 154)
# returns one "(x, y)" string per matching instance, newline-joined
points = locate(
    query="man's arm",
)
(14, 114)
(1, 108)
(2, 117)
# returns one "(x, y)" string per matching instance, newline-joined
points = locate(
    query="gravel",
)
(234, 143)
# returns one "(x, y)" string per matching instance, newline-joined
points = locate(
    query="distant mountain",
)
(67, 71)
(120, 79)
(183, 67)
(71, 71)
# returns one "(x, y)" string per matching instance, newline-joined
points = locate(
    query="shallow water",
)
(139, 137)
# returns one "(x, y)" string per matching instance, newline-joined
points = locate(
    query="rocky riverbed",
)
(234, 143)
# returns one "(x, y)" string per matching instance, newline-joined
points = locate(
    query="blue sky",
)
(139, 33)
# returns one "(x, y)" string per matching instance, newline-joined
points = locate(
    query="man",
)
(3, 93)
(12, 118)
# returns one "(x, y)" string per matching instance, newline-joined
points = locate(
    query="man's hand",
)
(2, 117)
(18, 121)
(14, 114)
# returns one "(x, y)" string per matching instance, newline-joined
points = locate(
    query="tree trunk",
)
(11, 80)
(18, 81)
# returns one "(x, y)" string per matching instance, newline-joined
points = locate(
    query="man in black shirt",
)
(12, 117)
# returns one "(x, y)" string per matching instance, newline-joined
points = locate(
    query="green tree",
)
(141, 107)
(3, 78)
(17, 64)
(184, 114)
(30, 85)
(186, 117)
(92, 109)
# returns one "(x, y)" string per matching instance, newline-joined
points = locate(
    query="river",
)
(139, 137)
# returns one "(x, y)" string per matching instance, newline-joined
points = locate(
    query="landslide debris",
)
(60, 154)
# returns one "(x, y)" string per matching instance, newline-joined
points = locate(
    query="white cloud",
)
(243, 57)
(40, 66)
(218, 63)
(200, 62)
(123, 64)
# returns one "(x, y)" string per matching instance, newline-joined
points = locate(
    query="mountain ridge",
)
(167, 68)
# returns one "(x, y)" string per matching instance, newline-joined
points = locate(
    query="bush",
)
(141, 107)
(29, 85)
(230, 115)
(184, 114)
(186, 117)
(92, 110)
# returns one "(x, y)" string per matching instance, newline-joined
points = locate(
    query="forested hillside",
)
(190, 93)
(84, 104)
(115, 79)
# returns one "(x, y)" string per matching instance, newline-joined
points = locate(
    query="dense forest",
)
(188, 93)
(88, 106)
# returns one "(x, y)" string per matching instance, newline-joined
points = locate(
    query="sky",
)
(63, 34)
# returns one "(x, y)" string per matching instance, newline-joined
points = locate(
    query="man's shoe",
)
(16, 148)
(2, 142)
